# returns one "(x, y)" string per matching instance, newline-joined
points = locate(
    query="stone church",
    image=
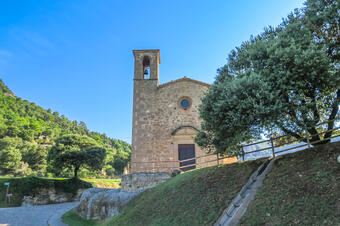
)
(165, 119)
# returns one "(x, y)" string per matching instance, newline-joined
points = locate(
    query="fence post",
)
(218, 159)
(242, 154)
(7, 190)
(272, 143)
(308, 142)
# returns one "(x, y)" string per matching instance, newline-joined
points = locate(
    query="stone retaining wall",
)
(50, 196)
(142, 180)
(101, 204)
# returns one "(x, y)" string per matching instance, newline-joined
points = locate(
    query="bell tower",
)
(147, 64)
(146, 81)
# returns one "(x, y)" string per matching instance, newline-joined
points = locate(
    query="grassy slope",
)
(193, 198)
(302, 189)
(196, 197)
(28, 186)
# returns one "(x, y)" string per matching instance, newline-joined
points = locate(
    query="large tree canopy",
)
(76, 151)
(283, 81)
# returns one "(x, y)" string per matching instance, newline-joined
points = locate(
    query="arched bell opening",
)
(146, 67)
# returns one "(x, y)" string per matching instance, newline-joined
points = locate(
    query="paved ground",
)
(36, 215)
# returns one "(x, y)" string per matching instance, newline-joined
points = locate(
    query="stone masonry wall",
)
(157, 113)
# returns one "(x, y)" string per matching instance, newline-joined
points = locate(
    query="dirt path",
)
(36, 215)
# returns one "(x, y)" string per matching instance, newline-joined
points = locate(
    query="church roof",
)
(184, 79)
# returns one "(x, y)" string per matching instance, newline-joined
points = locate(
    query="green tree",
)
(120, 161)
(22, 169)
(35, 156)
(13, 131)
(8, 142)
(3, 127)
(75, 152)
(284, 81)
(10, 159)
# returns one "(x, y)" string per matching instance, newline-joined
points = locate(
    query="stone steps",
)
(233, 213)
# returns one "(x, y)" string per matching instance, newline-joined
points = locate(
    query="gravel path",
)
(35, 215)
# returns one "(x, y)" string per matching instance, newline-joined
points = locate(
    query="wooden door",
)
(186, 151)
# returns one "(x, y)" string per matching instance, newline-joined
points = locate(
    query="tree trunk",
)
(331, 123)
(319, 141)
(76, 171)
(333, 115)
(315, 137)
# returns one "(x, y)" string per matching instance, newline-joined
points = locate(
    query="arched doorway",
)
(183, 139)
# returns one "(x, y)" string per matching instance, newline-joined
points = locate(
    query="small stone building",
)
(165, 119)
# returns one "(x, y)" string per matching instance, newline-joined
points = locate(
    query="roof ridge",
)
(184, 79)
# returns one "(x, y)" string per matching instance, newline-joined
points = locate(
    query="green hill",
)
(5, 90)
(32, 130)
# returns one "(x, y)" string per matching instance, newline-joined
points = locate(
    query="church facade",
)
(165, 119)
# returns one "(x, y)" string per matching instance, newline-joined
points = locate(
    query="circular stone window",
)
(185, 103)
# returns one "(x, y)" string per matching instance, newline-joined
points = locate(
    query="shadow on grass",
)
(73, 219)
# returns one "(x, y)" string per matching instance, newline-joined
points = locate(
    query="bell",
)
(146, 72)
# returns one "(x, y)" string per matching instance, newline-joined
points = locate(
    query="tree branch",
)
(331, 117)
(316, 114)
(291, 133)
(310, 127)
(292, 113)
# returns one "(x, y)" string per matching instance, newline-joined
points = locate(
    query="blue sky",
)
(75, 57)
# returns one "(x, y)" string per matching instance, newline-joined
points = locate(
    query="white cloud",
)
(4, 55)
(31, 42)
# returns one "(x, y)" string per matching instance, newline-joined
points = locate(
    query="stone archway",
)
(184, 146)
(185, 130)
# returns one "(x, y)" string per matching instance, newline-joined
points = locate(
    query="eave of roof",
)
(147, 51)
(184, 79)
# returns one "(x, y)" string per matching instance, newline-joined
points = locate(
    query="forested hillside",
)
(27, 131)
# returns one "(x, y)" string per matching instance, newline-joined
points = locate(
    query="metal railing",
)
(176, 164)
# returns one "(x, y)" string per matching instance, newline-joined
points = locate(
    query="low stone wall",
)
(49, 196)
(100, 203)
(141, 181)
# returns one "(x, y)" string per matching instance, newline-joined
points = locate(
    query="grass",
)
(72, 218)
(98, 182)
(104, 183)
(196, 197)
(303, 188)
